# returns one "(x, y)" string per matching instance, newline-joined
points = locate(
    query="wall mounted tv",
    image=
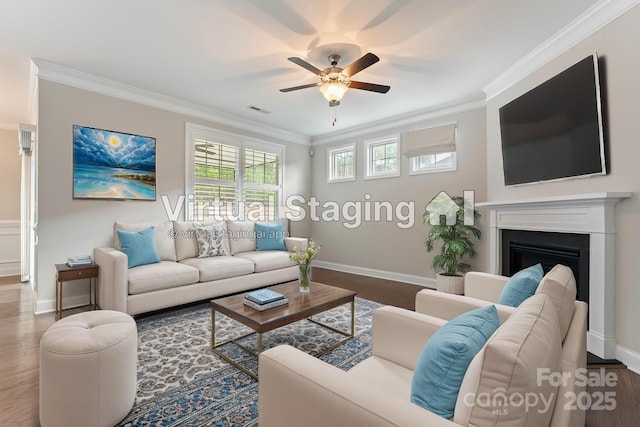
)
(554, 131)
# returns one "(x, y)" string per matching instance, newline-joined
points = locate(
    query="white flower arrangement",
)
(304, 256)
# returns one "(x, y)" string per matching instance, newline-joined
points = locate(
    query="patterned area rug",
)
(181, 382)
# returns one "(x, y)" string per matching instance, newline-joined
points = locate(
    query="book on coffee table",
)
(263, 296)
(262, 307)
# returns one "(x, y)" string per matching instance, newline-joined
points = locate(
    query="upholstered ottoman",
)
(88, 369)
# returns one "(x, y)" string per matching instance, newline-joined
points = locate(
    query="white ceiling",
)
(228, 55)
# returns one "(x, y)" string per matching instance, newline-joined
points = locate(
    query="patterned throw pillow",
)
(210, 240)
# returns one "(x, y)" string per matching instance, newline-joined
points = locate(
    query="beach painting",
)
(113, 165)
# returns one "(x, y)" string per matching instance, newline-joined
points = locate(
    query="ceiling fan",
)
(334, 81)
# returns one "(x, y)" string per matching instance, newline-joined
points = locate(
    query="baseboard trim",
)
(629, 358)
(49, 305)
(380, 274)
(9, 268)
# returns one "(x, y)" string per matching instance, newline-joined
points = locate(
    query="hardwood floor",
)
(20, 332)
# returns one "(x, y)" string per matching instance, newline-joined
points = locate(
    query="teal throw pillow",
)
(140, 246)
(446, 356)
(521, 286)
(270, 237)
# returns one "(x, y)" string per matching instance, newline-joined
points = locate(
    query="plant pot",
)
(450, 284)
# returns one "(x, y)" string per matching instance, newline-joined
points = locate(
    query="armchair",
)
(559, 284)
(298, 389)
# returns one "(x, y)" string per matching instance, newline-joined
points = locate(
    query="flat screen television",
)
(554, 131)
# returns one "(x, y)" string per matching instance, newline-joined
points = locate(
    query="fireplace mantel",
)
(592, 214)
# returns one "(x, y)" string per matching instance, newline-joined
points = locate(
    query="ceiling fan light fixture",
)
(333, 91)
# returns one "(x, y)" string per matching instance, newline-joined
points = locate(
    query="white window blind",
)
(232, 177)
(439, 139)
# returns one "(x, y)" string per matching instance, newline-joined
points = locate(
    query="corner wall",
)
(616, 45)
(68, 227)
(384, 249)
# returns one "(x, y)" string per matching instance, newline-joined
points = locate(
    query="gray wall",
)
(616, 44)
(383, 245)
(69, 227)
(10, 164)
(10, 171)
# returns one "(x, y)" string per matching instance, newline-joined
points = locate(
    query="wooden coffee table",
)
(301, 306)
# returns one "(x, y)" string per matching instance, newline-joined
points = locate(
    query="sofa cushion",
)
(270, 237)
(164, 237)
(506, 370)
(220, 267)
(444, 359)
(186, 241)
(521, 286)
(210, 240)
(165, 275)
(139, 246)
(267, 260)
(560, 285)
(242, 236)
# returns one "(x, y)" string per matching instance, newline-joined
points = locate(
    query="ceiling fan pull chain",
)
(335, 119)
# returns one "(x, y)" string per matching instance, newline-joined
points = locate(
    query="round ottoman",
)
(88, 369)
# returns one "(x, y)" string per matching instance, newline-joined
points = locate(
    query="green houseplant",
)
(446, 215)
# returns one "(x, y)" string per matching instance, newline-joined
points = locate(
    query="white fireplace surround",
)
(592, 214)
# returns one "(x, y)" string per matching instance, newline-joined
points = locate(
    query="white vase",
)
(450, 284)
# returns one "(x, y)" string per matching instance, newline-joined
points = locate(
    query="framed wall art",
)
(113, 165)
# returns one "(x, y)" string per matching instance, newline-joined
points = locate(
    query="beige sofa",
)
(181, 276)
(546, 334)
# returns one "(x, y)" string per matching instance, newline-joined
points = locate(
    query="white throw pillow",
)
(210, 240)
(242, 236)
(503, 379)
(187, 242)
(559, 284)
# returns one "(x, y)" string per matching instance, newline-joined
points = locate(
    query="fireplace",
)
(589, 215)
(521, 249)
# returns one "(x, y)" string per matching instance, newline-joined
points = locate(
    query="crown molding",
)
(405, 120)
(596, 17)
(78, 79)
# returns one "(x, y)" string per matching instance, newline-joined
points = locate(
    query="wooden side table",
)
(67, 274)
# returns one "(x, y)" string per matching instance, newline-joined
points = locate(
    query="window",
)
(342, 163)
(436, 162)
(230, 177)
(431, 149)
(383, 158)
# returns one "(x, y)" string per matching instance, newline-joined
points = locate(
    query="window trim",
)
(369, 144)
(452, 168)
(194, 131)
(335, 150)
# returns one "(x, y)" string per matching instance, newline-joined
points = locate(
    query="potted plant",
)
(455, 238)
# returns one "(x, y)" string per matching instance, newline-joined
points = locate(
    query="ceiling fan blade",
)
(369, 86)
(289, 89)
(304, 64)
(366, 61)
